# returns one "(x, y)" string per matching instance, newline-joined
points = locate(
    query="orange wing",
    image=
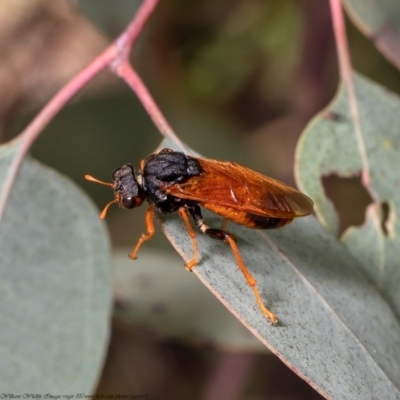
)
(231, 185)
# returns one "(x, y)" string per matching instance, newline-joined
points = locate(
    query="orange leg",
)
(252, 282)
(145, 236)
(230, 239)
(184, 215)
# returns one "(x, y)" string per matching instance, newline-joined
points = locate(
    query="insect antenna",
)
(105, 209)
(90, 178)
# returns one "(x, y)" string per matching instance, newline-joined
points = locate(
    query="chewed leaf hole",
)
(349, 198)
(385, 213)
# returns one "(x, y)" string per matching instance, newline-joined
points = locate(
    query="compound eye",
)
(128, 202)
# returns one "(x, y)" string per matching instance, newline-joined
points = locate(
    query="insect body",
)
(172, 181)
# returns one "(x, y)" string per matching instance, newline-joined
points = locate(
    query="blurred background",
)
(237, 80)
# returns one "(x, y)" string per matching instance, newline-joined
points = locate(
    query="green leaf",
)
(335, 330)
(330, 146)
(157, 292)
(380, 21)
(55, 284)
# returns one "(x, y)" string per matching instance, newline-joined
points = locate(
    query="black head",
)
(127, 191)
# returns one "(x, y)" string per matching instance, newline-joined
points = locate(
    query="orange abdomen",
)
(247, 219)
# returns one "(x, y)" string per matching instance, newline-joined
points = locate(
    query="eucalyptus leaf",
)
(55, 284)
(335, 329)
(157, 292)
(329, 146)
(380, 21)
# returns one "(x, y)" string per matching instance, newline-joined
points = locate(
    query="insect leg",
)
(145, 236)
(184, 215)
(252, 282)
(230, 239)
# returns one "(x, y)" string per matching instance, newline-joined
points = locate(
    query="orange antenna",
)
(90, 178)
(105, 209)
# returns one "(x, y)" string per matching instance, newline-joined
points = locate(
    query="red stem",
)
(115, 56)
(346, 73)
(339, 29)
(126, 72)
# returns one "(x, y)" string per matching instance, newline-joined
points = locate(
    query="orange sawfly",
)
(172, 181)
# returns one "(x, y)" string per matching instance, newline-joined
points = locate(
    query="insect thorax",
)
(164, 169)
